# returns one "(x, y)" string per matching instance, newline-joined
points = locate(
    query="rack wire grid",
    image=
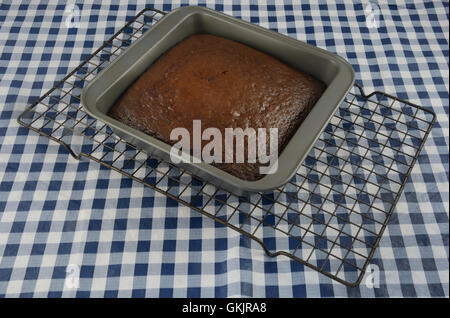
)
(332, 213)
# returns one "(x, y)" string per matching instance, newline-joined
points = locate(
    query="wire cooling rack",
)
(330, 216)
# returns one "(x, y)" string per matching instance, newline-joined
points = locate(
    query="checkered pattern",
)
(61, 217)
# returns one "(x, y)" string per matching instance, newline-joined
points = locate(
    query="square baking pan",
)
(110, 83)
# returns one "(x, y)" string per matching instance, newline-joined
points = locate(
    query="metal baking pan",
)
(334, 71)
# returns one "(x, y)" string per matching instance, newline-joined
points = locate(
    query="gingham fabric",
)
(63, 218)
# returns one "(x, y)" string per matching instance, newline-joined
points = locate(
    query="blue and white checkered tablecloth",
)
(62, 217)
